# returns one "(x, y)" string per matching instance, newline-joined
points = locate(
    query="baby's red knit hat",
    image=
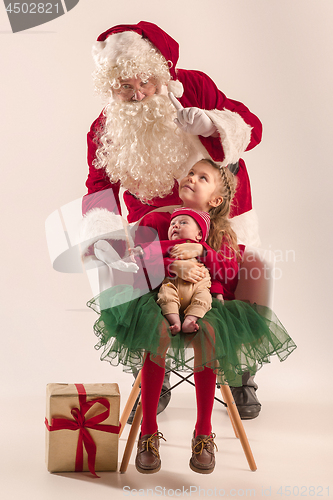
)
(202, 218)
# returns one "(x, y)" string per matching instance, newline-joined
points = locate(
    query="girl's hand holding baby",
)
(186, 251)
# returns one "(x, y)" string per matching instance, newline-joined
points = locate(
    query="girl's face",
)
(199, 189)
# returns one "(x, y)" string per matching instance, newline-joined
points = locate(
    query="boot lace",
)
(203, 444)
(149, 443)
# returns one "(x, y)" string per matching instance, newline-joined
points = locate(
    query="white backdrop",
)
(275, 57)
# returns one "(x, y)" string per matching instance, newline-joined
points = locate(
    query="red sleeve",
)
(101, 192)
(223, 267)
(153, 250)
(201, 91)
(159, 221)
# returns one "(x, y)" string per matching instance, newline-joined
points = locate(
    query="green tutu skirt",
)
(233, 338)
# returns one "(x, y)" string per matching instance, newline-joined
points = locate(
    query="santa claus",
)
(140, 145)
(158, 121)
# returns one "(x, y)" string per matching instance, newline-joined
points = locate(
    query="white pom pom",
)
(176, 87)
(97, 52)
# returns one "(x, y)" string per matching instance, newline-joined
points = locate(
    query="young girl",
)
(232, 338)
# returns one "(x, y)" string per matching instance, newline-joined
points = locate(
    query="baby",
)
(175, 294)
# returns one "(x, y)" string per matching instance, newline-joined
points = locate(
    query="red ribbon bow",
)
(82, 424)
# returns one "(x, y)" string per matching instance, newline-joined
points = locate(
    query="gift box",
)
(82, 427)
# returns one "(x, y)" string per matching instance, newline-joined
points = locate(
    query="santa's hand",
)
(104, 252)
(192, 120)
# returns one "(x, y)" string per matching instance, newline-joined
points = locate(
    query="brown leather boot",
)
(203, 454)
(148, 458)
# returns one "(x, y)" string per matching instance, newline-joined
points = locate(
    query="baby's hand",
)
(185, 251)
(219, 297)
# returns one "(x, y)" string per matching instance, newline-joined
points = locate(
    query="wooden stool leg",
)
(131, 438)
(130, 402)
(232, 422)
(237, 423)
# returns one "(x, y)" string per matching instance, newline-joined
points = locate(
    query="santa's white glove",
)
(104, 252)
(192, 120)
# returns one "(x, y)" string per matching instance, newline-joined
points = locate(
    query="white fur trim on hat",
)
(176, 87)
(234, 132)
(127, 45)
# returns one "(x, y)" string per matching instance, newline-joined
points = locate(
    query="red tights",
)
(152, 377)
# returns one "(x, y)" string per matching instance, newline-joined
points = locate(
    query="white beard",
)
(142, 147)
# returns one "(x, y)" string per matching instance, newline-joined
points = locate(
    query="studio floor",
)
(291, 441)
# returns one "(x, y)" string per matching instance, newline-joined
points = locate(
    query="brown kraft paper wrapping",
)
(62, 444)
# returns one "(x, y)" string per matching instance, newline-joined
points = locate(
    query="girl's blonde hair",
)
(220, 227)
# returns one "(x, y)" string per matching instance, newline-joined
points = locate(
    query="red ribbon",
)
(82, 424)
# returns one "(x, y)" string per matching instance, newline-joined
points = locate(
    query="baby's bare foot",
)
(190, 324)
(174, 321)
(174, 329)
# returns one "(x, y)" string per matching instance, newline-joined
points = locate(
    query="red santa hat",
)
(201, 218)
(126, 41)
